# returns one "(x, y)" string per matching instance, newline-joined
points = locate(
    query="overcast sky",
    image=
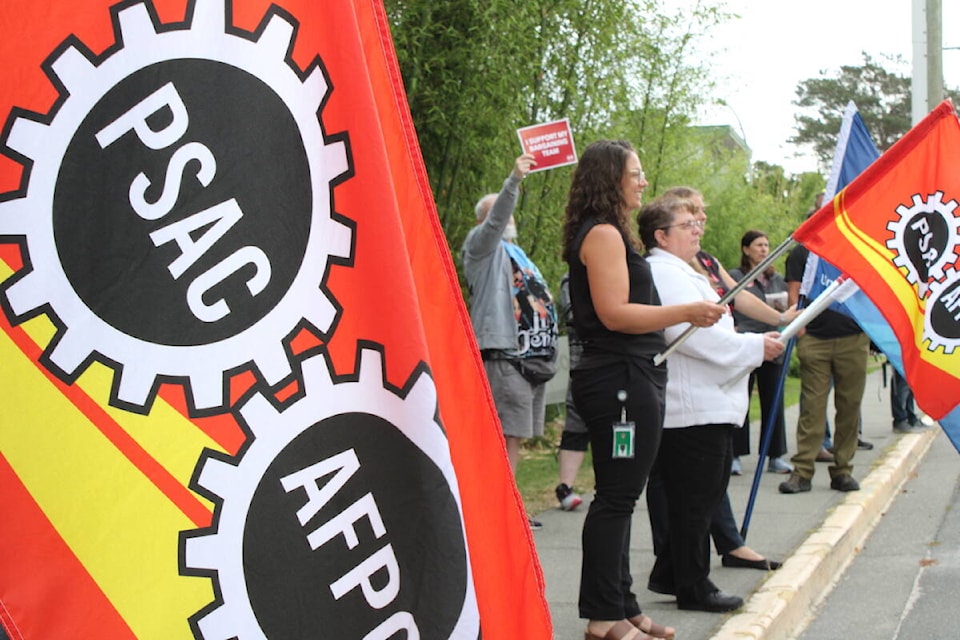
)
(760, 58)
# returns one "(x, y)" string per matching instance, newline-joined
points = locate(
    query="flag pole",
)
(838, 291)
(740, 286)
(766, 436)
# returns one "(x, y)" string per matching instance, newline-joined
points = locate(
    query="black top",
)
(829, 324)
(759, 287)
(601, 345)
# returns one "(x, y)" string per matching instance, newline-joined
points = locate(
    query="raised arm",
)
(487, 238)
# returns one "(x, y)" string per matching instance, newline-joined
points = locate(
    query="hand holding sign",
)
(550, 143)
(524, 165)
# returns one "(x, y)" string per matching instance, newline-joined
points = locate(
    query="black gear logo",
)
(167, 235)
(926, 238)
(339, 519)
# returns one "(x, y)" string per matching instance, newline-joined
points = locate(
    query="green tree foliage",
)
(882, 96)
(476, 70)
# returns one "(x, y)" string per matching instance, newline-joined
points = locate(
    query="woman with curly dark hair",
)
(616, 387)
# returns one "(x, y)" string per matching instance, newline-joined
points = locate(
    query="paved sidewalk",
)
(815, 534)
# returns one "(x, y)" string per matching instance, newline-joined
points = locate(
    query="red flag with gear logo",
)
(895, 230)
(241, 393)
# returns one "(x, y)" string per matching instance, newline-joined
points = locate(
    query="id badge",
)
(623, 439)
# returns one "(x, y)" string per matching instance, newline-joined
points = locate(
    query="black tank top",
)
(601, 345)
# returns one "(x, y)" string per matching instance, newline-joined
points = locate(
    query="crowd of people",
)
(678, 427)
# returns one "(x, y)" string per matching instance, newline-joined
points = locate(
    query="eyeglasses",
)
(689, 225)
(639, 176)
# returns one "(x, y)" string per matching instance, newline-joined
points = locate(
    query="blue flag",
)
(855, 152)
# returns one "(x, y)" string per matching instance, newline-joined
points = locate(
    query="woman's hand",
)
(790, 315)
(704, 314)
(772, 347)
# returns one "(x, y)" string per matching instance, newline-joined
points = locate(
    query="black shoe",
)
(796, 484)
(863, 444)
(732, 561)
(661, 578)
(714, 600)
(844, 482)
(661, 587)
(535, 525)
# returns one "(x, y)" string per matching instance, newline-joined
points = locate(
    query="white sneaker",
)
(776, 465)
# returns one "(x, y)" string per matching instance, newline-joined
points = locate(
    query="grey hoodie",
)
(487, 268)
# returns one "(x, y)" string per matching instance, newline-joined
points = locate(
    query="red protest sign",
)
(551, 143)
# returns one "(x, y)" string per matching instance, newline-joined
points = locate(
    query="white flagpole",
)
(740, 286)
(838, 291)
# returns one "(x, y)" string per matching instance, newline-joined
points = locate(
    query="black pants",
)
(605, 579)
(767, 378)
(694, 467)
(723, 527)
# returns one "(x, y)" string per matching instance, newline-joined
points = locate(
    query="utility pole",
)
(934, 54)
(926, 88)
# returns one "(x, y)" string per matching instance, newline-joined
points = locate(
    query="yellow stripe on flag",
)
(121, 527)
(168, 436)
(881, 259)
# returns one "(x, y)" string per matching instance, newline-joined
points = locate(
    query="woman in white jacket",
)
(701, 408)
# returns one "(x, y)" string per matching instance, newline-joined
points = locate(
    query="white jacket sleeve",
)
(720, 344)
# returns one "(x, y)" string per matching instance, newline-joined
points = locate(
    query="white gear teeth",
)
(219, 625)
(135, 24)
(371, 367)
(274, 366)
(27, 137)
(423, 394)
(70, 352)
(219, 549)
(257, 413)
(935, 271)
(322, 314)
(210, 15)
(141, 42)
(277, 36)
(217, 476)
(201, 551)
(12, 215)
(74, 70)
(24, 295)
(316, 376)
(207, 389)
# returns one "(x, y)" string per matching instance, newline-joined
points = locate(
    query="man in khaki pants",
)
(832, 350)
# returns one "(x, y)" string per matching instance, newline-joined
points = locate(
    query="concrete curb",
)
(781, 606)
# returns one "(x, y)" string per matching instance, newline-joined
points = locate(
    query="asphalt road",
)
(905, 581)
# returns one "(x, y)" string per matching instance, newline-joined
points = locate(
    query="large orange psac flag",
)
(895, 230)
(240, 392)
